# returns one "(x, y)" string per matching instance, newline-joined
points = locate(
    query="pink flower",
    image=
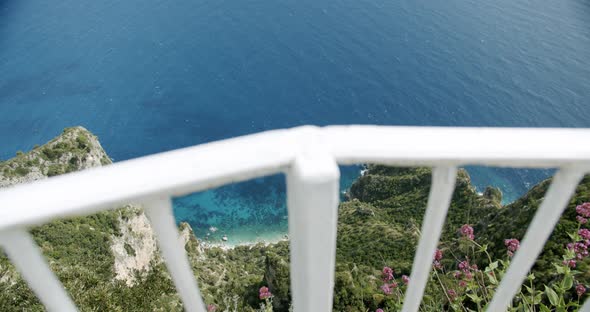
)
(512, 245)
(437, 265)
(264, 293)
(386, 289)
(438, 255)
(583, 210)
(581, 250)
(379, 310)
(464, 266)
(405, 279)
(452, 294)
(462, 284)
(570, 263)
(387, 274)
(585, 233)
(457, 274)
(467, 231)
(211, 308)
(580, 290)
(581, 219)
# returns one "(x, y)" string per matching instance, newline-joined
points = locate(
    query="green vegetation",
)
(378, 226)
(66, 153)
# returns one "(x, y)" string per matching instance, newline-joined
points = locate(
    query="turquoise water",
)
(152, 75)
(253, 211)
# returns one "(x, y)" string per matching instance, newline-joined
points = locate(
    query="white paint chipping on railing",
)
(558, 196)
(308, 155)
(161, 216)
(439, 200)
(312, 201)
(26, 256)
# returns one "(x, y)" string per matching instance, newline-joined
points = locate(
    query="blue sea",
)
(151, 75)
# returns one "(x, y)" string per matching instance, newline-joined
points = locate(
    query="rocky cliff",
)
(75, 149)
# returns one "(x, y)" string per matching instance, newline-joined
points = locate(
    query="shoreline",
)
(230, 246)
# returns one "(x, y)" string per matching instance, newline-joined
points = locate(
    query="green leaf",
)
(568, 282)
(544, 308)
(483, 248)
(552, 295)
(492, 278)
(531, 276)
(559, 268)
(492, 266)
(474, 297)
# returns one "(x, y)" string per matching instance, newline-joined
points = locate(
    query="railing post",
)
(441, 192)
(159, 212)
(27, 258)
(556, 199)
(312, 200)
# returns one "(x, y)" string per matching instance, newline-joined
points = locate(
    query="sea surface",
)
(152, 75)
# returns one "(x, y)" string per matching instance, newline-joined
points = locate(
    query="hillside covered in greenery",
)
(110, 261)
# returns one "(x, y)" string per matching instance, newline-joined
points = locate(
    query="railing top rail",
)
(209, 165)
(458, 146)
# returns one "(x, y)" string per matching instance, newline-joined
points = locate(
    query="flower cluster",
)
(452, 294)
(467, 231)
(387, 274)
(264, 293)
(211, 308)
(570, 263)
(581, 251)
(438, 255)
(465, 271)
(388, 288)
(379, 310)
(583, 211)
(580, 248)
(512, 245)
(389, 281)
(580, 290)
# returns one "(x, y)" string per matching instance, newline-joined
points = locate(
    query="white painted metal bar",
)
(585, 307)
(27, 258)
(205, 166)
(556, 200)
(312, 200)
(160, 213)
(435, 146)
(439, 200)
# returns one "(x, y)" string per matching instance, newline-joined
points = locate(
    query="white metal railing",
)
(309, 157)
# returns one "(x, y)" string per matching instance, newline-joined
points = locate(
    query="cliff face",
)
(75, 149)
(116, 245)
